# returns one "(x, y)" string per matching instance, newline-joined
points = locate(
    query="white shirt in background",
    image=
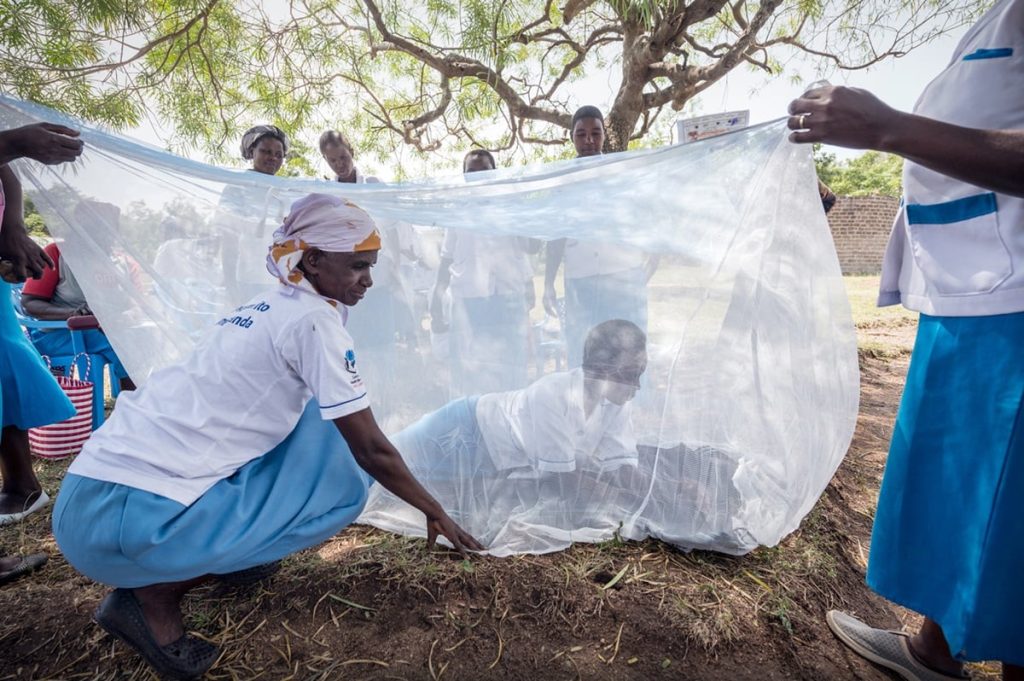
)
(592, 258)
(237, 396)
(543, 428)
(485, 265)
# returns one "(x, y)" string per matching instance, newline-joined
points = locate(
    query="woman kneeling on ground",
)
(224, 463)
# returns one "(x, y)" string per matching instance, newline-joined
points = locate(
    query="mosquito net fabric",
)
(533, 428)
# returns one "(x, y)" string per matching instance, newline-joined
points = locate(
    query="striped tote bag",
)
(66, 438)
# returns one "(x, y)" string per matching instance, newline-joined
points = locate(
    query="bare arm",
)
(44, 142)
(444, 278)
(23, 257)
(850, 117)
(42, 308)
(377, 456)
(552, 261)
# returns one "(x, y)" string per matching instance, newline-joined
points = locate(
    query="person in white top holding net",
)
(948, 537)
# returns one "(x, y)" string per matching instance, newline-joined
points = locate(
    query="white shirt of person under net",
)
(236, 397)
(543, 429)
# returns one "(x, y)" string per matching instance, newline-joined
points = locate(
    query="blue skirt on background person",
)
(297, 495)
(490, 339)
(29, 396)
(592, 300)
(948, 540)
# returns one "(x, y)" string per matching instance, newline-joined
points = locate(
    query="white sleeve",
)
(319, 349)
(618, 446)
(546, 428)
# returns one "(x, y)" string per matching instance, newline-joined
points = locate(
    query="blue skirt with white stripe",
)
(297, 495)
(948, 540)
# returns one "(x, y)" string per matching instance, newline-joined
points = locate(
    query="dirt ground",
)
(370, 605)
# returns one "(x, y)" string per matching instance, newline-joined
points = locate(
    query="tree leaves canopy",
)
(492, 73)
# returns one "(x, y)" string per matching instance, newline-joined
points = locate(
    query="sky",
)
(896, 81)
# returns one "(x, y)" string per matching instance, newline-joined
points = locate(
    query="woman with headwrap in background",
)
(247, 214)
(225, 463)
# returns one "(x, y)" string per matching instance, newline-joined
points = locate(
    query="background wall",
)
(860, 228)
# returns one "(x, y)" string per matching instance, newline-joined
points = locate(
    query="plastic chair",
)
(91, 370)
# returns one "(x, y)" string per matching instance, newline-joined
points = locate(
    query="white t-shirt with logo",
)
(543, 428)
(237, 396)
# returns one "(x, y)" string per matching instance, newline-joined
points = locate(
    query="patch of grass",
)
(875, 349)
(862, 291)
(779, 609)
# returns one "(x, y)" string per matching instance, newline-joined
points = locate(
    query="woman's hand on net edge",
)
(460, 539)
(843, 116)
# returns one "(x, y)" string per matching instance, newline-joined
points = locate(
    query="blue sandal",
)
(120, 614)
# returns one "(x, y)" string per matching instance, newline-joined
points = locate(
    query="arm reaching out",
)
(552, 261)
(377, 456)
(45, 142)
(22, 257)
(850, 117)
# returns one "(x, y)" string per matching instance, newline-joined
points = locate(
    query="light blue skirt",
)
(297, 495)
(592, 300)
(948, 540)
(29, 395)
(489, 343)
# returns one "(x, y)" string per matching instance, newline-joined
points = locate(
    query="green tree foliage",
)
(493, 73)
(871, 173)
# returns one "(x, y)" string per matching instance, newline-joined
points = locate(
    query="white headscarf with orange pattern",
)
(330, 223)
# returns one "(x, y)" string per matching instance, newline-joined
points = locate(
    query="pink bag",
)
(66, 438)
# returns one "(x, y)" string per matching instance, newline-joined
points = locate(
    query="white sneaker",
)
(8, 518)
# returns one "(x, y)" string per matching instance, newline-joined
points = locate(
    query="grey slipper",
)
(25, 565)
(886, 648)
(187, 658)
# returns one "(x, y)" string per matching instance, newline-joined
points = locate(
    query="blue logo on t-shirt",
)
(350, 361)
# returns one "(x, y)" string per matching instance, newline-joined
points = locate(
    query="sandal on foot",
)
(25, 565)
(187, 658)
(889, 649)
(251, 575)
(8, 518)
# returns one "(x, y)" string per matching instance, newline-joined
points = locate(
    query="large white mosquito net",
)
(718, 250)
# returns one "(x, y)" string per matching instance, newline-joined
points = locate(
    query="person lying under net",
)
(257, 445)
(562, 422)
